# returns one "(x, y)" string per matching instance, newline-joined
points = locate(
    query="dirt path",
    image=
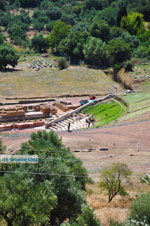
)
(129, 144)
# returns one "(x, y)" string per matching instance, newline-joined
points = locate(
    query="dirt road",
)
(127, 143)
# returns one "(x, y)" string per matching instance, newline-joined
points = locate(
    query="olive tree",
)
(114, 179)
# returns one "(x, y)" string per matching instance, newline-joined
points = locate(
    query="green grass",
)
(138, 102)
(105, 113)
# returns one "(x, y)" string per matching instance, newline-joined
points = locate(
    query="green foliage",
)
(2, 147)
(118, 51)
(100, 29)
(73, 45)
(87, 217)
(8, 56)
(132, 40)
(144, 35)
(53, 13)
(121, 13)
(114, 180)
(140, 209)
(2, 38)
(17, 34)
(115, 223)
(107, 14)
(94, 52)
(57, 163)
(146, 179)
(2, 5)
(141, 52)
(24, 202)
(29, 3)
(62, 63)
(128, 66)
(39, 43)
(133, 22)
(88, 4)
(59, 32)
(115, 32)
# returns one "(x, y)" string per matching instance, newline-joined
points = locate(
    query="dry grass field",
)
(26, 82)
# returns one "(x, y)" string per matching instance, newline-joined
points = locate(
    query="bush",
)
(115, 223)
(62, 63)
(140, 209)
(141, 52)
(128, 66)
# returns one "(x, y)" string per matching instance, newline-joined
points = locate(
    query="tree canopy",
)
(8, 56)
(39, 43)
(118, 51)
(47, 192)
(58, 33)
(114, 180)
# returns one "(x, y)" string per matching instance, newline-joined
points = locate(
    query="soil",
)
(127, 143)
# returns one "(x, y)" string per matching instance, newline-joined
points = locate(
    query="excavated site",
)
(49, 113)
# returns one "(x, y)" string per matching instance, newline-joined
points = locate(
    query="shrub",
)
(140, 209)
(141, 52)
(128, 66)
(115, 223)
(62, 63)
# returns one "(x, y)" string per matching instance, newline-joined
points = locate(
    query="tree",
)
(53, 13)
(8, 56)
(2, 38)
(23, 202)
(100, 29)
(133, 22)
(73, 45)
(107, 14)
(17, 33)
(132, 40)
(121, 13)
(47, 192)
(88, 4)
(39, 43)
(87, 217)
(2, 5)
(114, 180)
(59, 32)
(117, 51)
(94, 52)
(2, 147)
(115, 32)
(62, 63)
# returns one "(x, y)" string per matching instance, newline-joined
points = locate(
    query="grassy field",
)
(24, 81)
(138, 102)
(105, 113)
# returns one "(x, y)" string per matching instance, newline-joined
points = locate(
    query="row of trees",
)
(102, 20)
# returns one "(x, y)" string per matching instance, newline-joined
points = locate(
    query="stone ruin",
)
(41, 63)
(32, 115)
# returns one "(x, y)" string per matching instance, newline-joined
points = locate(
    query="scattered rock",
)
(76, 150)
(91, 149)
(131, 155)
